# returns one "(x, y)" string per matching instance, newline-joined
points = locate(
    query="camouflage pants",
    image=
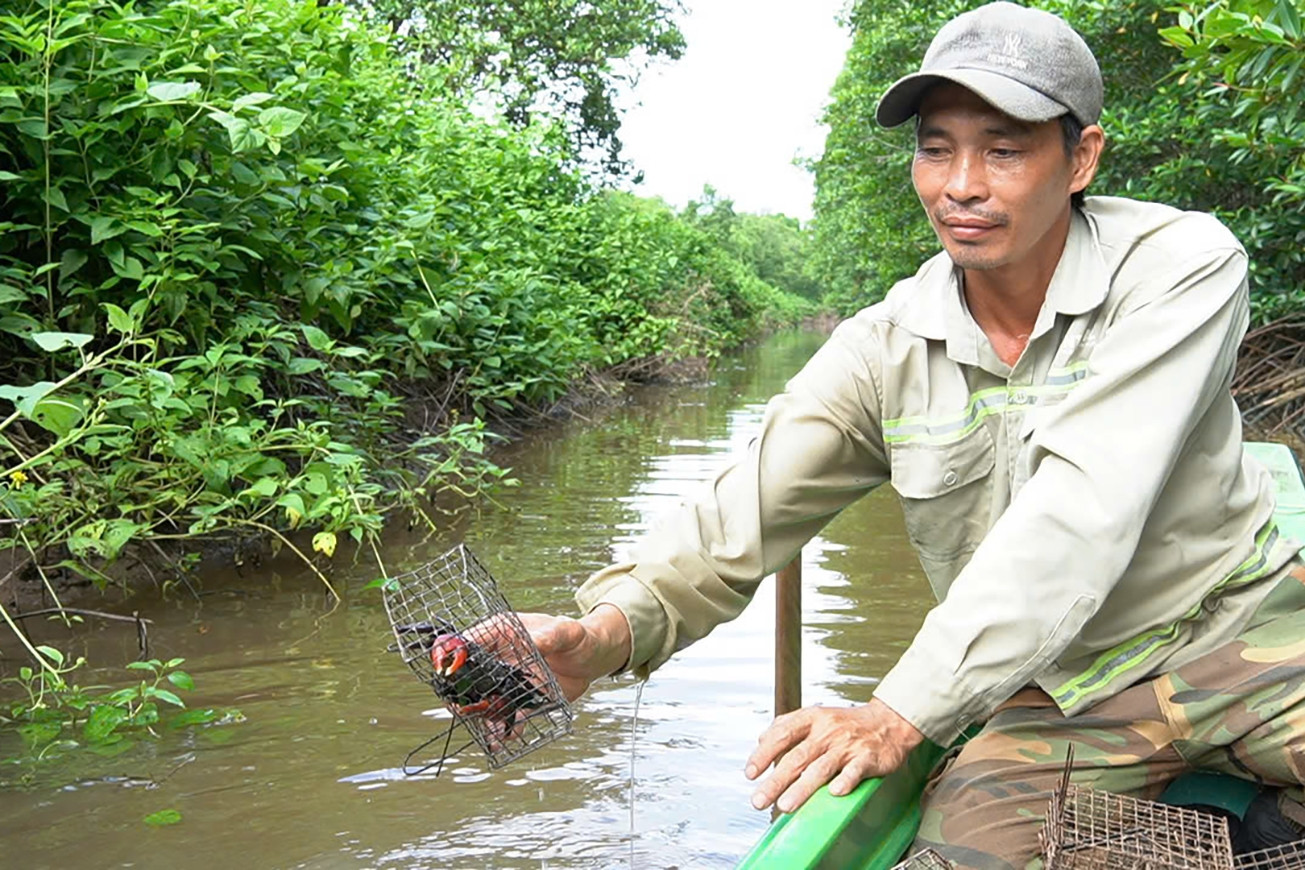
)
(1238, 710)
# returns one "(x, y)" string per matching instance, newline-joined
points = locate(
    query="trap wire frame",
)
(925, 859)
(1087, 829)
(1288, 857)
(491, 677)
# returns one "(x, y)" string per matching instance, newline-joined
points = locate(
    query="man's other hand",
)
(820, 744)
(580, 651)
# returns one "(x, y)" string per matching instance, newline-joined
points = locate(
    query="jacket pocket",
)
(945, 503)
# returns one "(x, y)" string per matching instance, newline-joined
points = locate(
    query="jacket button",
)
(949, 479)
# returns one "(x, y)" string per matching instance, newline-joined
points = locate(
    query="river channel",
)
(311, 778)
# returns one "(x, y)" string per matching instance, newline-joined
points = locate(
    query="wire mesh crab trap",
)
(455, 630)
(1088, 829)
(925, 859)
(1288, 857)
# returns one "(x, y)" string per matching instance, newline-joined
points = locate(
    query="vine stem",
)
(47, 62)
(18, 632)
(371, 536)
(298, 552)
(45, 578)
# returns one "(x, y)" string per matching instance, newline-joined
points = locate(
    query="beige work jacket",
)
(1086, 518)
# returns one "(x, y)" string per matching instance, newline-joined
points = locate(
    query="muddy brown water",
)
(311, 778)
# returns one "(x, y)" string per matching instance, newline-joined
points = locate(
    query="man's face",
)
(994, 187)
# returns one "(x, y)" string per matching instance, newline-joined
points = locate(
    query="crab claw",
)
(448, 653)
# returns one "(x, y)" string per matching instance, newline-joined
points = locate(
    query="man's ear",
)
(1087, 154)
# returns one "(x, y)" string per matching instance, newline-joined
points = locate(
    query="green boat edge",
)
(873, 827)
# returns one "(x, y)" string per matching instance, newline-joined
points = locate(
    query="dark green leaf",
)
(103, 721)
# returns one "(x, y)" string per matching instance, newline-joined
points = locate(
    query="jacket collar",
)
(936, 309)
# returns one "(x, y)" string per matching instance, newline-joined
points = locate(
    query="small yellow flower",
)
(17, 479)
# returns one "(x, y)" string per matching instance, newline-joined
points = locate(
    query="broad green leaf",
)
(51, 653)
(71, 261)
(104, 720)
(118, 533)
(317, 339)
(163, 818)
(252, 99)
(146, 227)
(294, 508)
(119, 320)
(37, 734)
(280, 121)
(315, 483)
(165, 695)
(51, 342)
(58, 415)
(194, 717)
(264, 487)
(34, 127)
(181, 680)
(104, 228)
(171, 91)
(302, 365)
(241, 133)
(130, 267)
(25, 398)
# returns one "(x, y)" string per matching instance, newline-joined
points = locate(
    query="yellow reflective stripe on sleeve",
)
(1135, 651)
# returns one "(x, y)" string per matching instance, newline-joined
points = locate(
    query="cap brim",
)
(902, 100)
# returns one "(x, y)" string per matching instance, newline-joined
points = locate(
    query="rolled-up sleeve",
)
(1098, 461)
(820, 449)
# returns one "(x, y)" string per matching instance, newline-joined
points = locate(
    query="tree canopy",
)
(559, 59)
(1201, 112)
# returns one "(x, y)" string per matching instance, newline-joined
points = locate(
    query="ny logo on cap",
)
(1010, 53)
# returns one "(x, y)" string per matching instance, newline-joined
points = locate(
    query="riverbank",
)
(174, 566)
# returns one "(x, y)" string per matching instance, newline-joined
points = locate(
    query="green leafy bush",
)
(258, 274)
(53, 715)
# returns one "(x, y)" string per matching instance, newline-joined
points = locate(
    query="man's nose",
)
(966, 179)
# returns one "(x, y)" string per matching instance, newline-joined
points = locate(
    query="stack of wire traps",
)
(1088, 829)
(503, 693)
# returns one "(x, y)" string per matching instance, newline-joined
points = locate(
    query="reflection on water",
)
(313, 778)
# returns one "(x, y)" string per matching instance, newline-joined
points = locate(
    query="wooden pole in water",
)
(788, 637)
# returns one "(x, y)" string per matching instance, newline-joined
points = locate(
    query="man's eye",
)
(929, 151)
(1004, 153)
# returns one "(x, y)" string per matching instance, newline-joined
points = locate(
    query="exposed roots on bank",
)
(1270, 381)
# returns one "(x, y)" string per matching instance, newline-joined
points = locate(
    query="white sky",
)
(740, 105)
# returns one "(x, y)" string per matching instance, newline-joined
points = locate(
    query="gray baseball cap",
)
(1028, 63)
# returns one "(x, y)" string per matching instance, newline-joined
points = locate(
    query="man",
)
(1050, 399)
